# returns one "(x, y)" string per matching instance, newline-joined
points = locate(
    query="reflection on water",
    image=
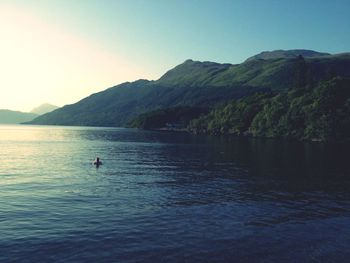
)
(170, 197)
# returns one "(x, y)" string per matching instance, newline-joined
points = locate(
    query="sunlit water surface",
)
(170, 197)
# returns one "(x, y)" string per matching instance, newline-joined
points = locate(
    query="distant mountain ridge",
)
(287, 54)
(15, 117)
(44, 108)
(199, 84)
(192, 73)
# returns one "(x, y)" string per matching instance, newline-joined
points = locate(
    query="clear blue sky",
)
(155, 35)
(219, 30)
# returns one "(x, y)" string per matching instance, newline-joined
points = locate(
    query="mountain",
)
(15, 117)
(287, 54)
(192, 73)
(44, 108)
(198, 84)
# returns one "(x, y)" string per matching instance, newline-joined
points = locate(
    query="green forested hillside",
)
(313, 113)
(197, 84)
(287, 54)
(170, 118)
(119, 105)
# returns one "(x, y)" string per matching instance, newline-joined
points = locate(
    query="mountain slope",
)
(15, 117)
(287, 54)
(44, 108)
(199, 84)
(118, 105)
(192, 73)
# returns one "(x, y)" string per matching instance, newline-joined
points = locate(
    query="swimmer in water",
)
(97, 161)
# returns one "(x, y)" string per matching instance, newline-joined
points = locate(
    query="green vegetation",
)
(319, 113)
(287, 54)
(198, 84)
(170, 118)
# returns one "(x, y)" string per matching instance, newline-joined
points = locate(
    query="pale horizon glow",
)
(42, 63)
(61, 51)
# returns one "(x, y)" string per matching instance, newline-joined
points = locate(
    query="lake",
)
(170, 197)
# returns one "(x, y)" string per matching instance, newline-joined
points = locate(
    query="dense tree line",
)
(321, 112)
(170, 118)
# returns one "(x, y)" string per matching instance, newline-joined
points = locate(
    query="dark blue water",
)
(170, 197)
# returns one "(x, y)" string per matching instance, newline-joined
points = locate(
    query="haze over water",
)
(170, 197)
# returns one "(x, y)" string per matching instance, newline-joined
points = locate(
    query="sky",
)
(61, 51)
